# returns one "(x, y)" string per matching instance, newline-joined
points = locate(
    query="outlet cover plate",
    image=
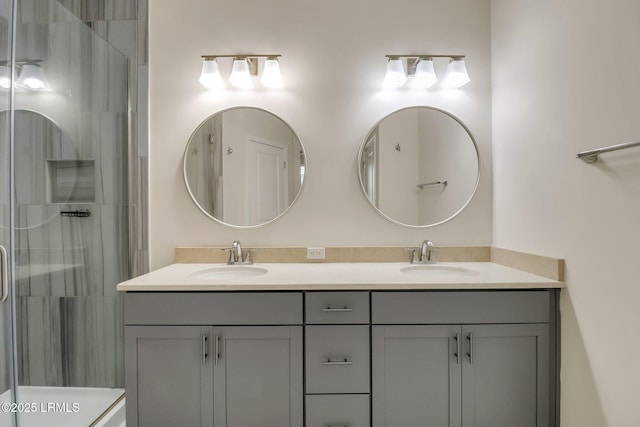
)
(315, 253)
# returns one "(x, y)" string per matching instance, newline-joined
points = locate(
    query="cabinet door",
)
(258, 376)
(169, 376)
(506, 376)
(416, 376)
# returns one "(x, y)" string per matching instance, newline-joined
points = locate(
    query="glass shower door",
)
(7, 348)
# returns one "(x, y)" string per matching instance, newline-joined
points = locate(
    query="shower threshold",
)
(68, 406)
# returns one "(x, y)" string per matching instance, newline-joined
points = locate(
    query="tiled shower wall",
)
(124, 24)
(70, 320)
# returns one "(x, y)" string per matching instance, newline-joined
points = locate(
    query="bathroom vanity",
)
(349, 344)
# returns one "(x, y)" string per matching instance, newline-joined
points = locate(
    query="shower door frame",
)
(9, 410)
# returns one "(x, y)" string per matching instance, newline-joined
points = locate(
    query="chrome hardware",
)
(470, 354)
(236, 255)
(344, 362)
(4, 278)
(337, 310)
(204, 349)
(457, 353)
(78, 213)
(591, 156)
(428, 184)
(427, 253)
(217, 349)
(237, 247)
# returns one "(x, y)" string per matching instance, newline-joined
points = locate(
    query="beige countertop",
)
(339, 276)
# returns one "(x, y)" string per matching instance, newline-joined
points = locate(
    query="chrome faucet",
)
(427, 253)
(236, 255)
(237, 247)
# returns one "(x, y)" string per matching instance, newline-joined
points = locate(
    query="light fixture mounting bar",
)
(242, 56)
(424, 56)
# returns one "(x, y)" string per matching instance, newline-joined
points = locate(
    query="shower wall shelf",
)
(591, 156)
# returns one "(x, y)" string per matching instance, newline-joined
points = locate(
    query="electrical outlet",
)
(315, 253)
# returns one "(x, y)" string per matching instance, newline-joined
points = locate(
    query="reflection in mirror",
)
(419, 166)
(244, 167)
(47, 172)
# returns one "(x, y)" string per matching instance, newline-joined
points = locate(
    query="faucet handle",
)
(415, 259)
(247, 258)
(232, 256)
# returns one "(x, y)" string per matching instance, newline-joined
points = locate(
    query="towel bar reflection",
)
(591, 156)
(421, 186)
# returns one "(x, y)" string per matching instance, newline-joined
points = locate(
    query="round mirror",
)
(419, 166)
(244, 167)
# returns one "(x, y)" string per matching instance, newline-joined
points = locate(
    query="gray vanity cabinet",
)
(497, 372)
(214, 359)
(415, 377)
(498, 376)
(169, 376)
(258, 376)
(505, 379)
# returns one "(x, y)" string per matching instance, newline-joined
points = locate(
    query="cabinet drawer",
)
(337, 359)
(337, 307)
(467, 307)
(213, 308)
(338, 410)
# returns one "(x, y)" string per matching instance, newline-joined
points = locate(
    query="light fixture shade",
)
(395, 75)
(5, 77)
(425, 76)
(240, 75)
(210, 76)
(456, 75)
(32, 77)
(271, 77)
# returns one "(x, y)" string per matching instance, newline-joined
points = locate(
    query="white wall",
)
(333, 64)
(566, 78)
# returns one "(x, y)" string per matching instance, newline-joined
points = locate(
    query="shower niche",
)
(71, 181)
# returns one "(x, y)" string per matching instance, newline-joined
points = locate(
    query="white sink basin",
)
(437, 270)
(229, 272)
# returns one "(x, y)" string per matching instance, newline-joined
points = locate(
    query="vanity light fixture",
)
(421, 73)
(456, 75)
(210, 76)
(395, 76)
(244, 68)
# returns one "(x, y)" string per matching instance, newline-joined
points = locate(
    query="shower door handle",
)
(4, 276)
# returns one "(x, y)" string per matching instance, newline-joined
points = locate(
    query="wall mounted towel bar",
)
(591, 156)
(421, 186)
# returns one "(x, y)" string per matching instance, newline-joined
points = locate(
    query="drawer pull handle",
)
(217, 349)
(344, 362)
(337, 310)
(204, 349)
(338, 425)
(457, 353)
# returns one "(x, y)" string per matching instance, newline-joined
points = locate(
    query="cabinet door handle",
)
(343, 362)
(337, 310)
(470, 354)
(457, 353)
(217, 349)
(338, 425)
(204, 349)
(4, 278)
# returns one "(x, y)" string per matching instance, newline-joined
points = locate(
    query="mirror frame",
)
(360, 178)
(184, 168)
